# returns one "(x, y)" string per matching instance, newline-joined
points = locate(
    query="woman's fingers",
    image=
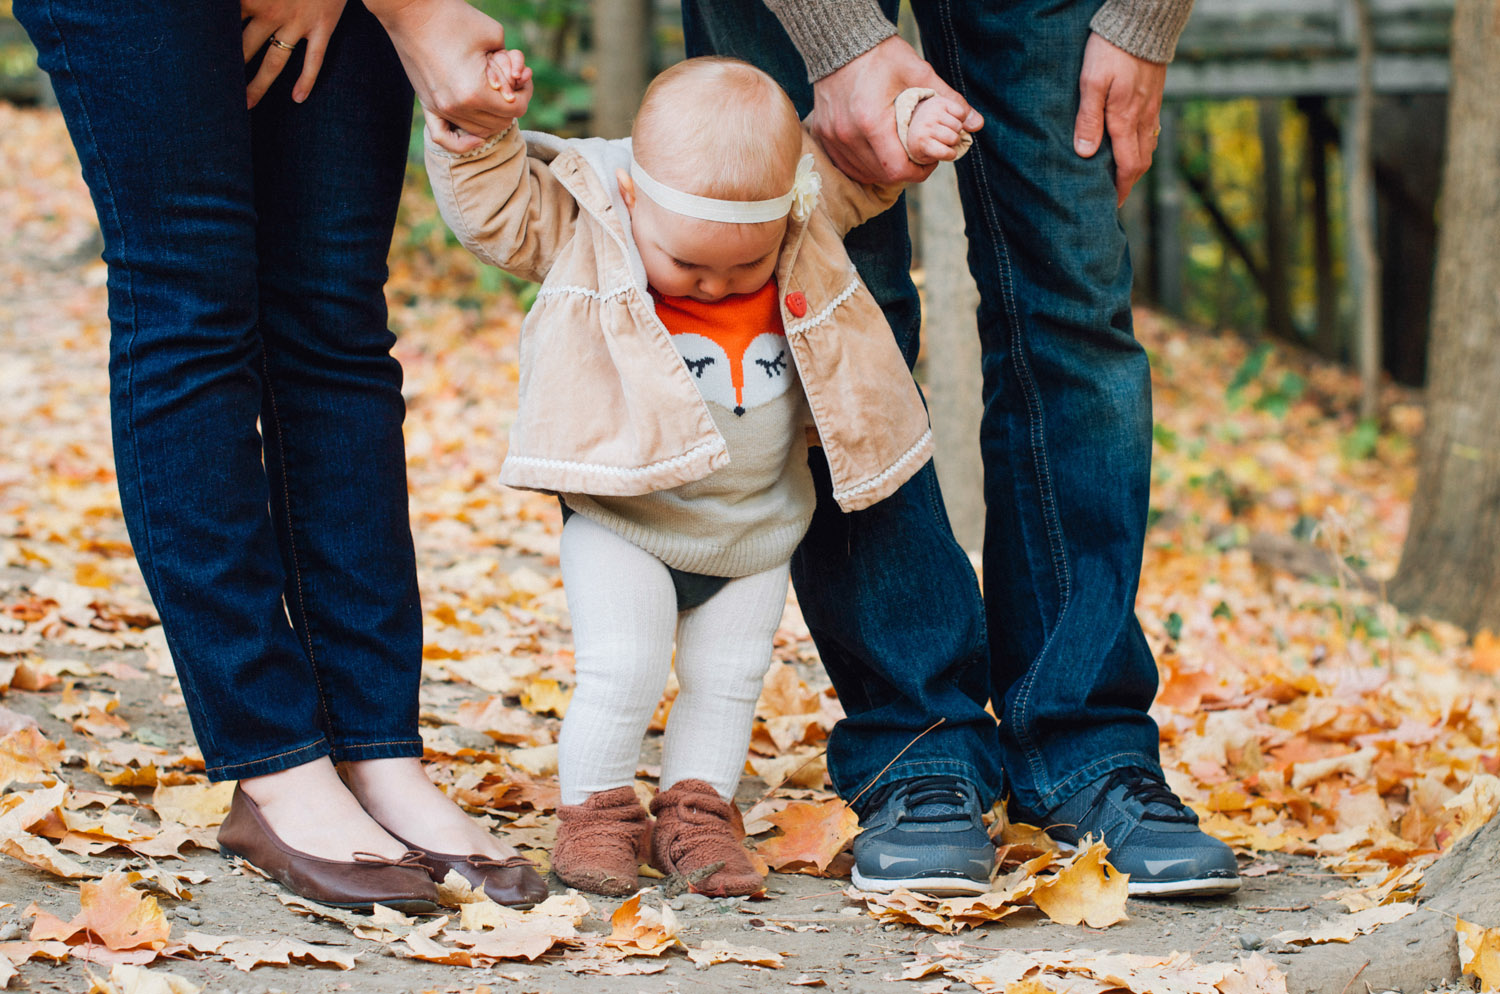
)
(278, 53)
(257, 32)
(312, 61)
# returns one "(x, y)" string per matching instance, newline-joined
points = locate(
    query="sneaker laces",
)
(927, 799)
(1150, 790)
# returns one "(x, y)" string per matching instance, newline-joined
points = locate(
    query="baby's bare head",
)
(720, 128)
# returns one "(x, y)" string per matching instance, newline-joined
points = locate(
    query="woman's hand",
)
(279, 26)
(445, 47)
(508, 74)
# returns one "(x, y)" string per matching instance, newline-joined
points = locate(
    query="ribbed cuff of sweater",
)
(832, 33)
(1148, 29)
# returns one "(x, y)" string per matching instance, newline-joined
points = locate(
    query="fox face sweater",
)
(749, 515)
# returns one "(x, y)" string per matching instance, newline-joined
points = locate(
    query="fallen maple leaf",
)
(26, 756)
(194, 805)
(713, 951)
(247, 954)
(127, 979)
(639, 931)
(546, 697)
(1346, 928)
(1486, 652)
(812, 835)
(1479, 953)
(112, 913)
(1085, 889)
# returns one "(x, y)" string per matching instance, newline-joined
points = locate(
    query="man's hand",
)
(445, 46)
(1122, 93)
(852, 112)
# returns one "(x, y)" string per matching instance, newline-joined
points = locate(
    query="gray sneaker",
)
(925, 835)
(1151, 835)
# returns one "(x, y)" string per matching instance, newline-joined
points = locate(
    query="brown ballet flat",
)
(401, 884)
(511, 881)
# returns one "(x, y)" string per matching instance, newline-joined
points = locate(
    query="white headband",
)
(799, 201)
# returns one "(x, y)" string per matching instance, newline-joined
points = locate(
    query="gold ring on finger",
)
(282, 45)
(1157, 132)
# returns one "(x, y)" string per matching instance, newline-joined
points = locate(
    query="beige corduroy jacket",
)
(607, 406)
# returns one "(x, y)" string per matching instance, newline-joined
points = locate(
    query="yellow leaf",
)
(1479, 953)
(127, 979)
(194, 805)
(546, 697)
(714, 951)
(1086, 889)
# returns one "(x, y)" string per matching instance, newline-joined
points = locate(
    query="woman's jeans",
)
(247, 256)
(1065, 436)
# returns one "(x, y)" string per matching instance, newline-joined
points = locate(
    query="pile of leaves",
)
(1299, 713)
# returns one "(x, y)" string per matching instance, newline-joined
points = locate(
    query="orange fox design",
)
(735, 348)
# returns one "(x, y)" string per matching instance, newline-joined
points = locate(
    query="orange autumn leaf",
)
(112, 913)
(1487, 652)
(642, 931)
(813, 833)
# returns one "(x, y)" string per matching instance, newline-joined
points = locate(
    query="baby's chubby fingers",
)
(506, 71)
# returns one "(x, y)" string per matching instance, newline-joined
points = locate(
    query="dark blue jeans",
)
(1065, 437)
(247, 256)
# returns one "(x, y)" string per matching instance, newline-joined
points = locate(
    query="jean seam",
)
(1022, 369)
(266, 759)
(286, 494)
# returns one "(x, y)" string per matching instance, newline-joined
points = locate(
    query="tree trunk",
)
(1278, 293)
(622, 53)
(1362, 219)
(1450, 566)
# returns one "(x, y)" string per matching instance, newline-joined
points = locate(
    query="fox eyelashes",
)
(697, 365)
(773, 367)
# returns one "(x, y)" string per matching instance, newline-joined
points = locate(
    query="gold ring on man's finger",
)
(282, 45)
(1157, 132)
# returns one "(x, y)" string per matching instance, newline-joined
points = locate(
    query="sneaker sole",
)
(1200, 887)
(931, 886)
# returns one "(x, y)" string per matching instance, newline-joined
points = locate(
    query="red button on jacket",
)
(796, 303)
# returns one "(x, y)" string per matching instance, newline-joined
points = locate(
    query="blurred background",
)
(1293, 201)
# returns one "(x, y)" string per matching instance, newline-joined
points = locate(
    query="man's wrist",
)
(1147, 29)
(831, 33)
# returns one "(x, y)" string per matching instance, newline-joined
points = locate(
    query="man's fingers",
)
(1088, 127)
(1131, 158)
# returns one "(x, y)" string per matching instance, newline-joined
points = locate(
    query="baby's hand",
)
(936, 132)
(508, 72)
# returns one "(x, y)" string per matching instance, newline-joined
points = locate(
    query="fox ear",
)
(627, 188)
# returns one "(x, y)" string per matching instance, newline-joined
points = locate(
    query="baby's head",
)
(721, 129)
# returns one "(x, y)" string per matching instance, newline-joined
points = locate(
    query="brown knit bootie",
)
(601, 842)
(695, 829)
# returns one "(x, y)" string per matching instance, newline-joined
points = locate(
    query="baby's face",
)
(704, 260)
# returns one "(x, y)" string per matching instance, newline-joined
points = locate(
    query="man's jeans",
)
(247, 256)
(1065, 436)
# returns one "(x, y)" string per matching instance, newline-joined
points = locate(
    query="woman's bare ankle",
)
(336, 828)
(398, 795)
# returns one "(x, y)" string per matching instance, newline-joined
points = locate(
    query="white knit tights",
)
(624, 614)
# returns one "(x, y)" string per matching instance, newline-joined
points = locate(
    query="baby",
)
(698, 320)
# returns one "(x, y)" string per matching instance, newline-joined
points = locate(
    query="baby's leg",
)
(624, 610)
(723, 652)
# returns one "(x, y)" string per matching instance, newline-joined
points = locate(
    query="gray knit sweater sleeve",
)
(1148, 29)
(830, 33)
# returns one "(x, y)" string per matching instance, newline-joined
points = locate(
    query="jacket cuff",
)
(490, 143)
(831, 33)
(1147, 29)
